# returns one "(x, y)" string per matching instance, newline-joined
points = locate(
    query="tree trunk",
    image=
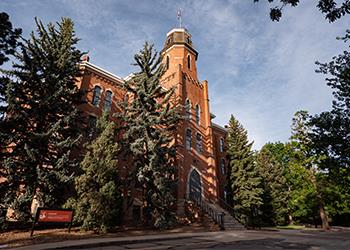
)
(323, 214)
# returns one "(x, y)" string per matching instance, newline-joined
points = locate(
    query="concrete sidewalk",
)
(102, 242)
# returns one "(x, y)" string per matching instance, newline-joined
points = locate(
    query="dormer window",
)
(167, 62)
(188, 61)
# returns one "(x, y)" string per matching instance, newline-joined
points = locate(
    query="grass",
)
(294, 227)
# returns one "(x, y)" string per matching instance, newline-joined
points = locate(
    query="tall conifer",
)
(275, 189)
(150, 118)
(98, 205)
(42, 118)
(243, 175)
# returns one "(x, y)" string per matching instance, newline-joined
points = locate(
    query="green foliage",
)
(8, 44)
(330, 8)
(40, 130)
(150, 121)
(330, 134)
(99, 201)
(275, 195)
(244, 177)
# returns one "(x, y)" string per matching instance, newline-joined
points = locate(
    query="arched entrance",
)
(195, 185)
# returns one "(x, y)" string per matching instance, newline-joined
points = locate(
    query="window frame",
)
(223, 166)
(96, 97)
(199, 143)
(189, 61)
(108, 101)
(222, 144)
(188, 139)
(198, 114)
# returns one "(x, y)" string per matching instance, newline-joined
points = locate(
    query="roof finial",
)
(179, 16)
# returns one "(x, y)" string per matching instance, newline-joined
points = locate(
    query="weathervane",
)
(179, 16)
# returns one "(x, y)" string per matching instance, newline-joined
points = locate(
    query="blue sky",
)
(260, 71)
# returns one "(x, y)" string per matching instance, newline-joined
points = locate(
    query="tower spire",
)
(179, 16)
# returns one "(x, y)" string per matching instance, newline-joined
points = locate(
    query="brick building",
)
(200, 155)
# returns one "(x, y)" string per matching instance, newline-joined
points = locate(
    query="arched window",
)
(91, 125)
(108, 100)
(97, 96)
(188, 61)
(198, 111)
(199, 143)
(188, 109)
(167, 62)
(222, 144)
(222, 166)
(188, 139)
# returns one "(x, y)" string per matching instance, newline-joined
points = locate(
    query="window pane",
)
(188, 109)
(189, 61)
(188, 139)
(223, 166)
(96, 96)
(199, 143)
(91, 126)
(108, 100)
(222, 144)
(197, 114)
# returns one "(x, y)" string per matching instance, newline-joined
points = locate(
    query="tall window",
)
(91, 126)
(188, 61)
(198, 114)
(108, 100)
(167, 62)
(199, 143)
(188, 109)
(188, 139)
(222, 144)
(97, 96)
(222, 166)
(225, 195)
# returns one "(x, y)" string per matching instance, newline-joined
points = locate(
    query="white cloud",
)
(261, 72)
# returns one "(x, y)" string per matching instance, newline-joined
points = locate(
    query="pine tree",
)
(275, 194)
(99, 201)
(42, 121)
(150, 118)
(8, 44)
(243, 174)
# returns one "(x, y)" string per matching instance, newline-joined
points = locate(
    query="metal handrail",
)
(218, 217)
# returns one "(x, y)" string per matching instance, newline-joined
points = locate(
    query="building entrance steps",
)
(223, 217)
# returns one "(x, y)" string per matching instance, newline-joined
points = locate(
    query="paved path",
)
(238, 240)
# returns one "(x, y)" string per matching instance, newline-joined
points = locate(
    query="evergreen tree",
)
(275, 194)
(150, 118)
(244, 177)
(8, 44)
(41, 126)
(99, 201)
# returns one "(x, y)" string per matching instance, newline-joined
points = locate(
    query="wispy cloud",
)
(259, 71)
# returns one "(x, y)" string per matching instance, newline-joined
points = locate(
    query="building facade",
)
(201, 163)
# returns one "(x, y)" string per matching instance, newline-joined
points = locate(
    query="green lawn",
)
(290, 227)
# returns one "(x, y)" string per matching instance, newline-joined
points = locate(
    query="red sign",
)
(55, 216)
